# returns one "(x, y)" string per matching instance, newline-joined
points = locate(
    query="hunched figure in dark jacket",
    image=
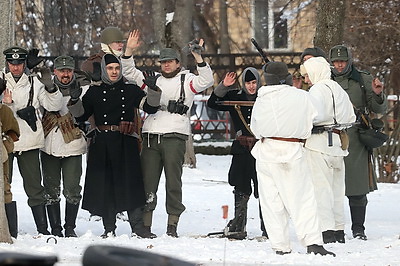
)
(114, 181)
(242, 170)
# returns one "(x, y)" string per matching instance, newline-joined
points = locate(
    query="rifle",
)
(260, 51)
(234, 103)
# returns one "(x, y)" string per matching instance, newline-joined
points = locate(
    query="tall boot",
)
(71, 211)
(109, 221)
(237, 226)
(262, 226)
(357, 220)
(53, 211)
(39, 215)
(137, 225)
(172, 225)
(12, 218)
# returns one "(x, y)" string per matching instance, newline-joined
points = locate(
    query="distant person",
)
(326, 160)
(114, 181)
(367, 95)
(61, 155)
(282, 119)
(243, 168)
(25, 94)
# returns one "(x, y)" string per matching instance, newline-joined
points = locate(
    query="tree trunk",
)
(7, 14)
(159, 17)
(330, 23)
(223, 27)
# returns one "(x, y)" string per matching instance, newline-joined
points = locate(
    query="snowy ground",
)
(205, 191)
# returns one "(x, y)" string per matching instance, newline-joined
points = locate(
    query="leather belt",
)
(108, 127)
(286, 139)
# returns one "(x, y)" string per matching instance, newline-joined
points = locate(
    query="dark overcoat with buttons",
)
(113, 174)
(242, 169)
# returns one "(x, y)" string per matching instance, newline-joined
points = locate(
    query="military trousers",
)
(69, 170)
(163, 152)
(29, 168)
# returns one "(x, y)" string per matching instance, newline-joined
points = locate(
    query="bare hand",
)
(7, 96)
(230, 79)
(133, 42)
(377, 86)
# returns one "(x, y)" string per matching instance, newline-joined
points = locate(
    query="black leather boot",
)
(53, 211)
(328, 236)
(317, 249)
(12, 218)
(357, 220)
(71, 211)
(109, 221)
(39, 215)
(137, 225)
(237, 226)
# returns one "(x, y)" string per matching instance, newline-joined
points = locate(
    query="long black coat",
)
(113, 173)
(242, 169)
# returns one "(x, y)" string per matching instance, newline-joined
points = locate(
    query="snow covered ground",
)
(205, 191)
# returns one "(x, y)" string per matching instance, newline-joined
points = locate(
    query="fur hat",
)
(277, 73)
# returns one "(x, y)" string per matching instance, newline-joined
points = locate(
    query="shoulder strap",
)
(31, 91)
(334, 107)
(239, 111)
(182, 95)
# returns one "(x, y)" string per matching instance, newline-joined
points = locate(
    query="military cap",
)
(169, 54)
(277, 73)
(15, 55)
(111, 34)
(339, 52)
(64, 62)
(313, 51)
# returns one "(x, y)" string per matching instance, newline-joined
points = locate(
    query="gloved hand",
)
(150, 79)
(193, 46)
(33, 59)
(3, 85)
(75, 91)
(82, 78)
(46, 79)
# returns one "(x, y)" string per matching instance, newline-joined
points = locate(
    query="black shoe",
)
(339, 236)
(317, 249)
(57, 232)
(144, 232)
(70, 232)
(237, 235)
(171, 230)
(328, 236)
(107, 234)
(360, 235)
(280, 252)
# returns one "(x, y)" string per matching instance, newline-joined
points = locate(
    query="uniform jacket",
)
(357, 175)
(30, 139)
(281, 111)
(165, 122)
(332, 102)
(54, 142)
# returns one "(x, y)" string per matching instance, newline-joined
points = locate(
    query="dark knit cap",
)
(249, 76)
(109, 58)
(314, 51)
(277, 73)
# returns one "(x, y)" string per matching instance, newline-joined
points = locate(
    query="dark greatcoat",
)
(358, 178)
(242, 169)
(113, 174)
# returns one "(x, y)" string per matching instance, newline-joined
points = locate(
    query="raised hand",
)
(377, 86)
(7, 96)
(150, 79)
(46, 79)
(133, 42)
(230, 79)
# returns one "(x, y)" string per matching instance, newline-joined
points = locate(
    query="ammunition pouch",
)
(247, 141)
(29, 115)
(371, 134)
(177, 107)
(66, 124)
